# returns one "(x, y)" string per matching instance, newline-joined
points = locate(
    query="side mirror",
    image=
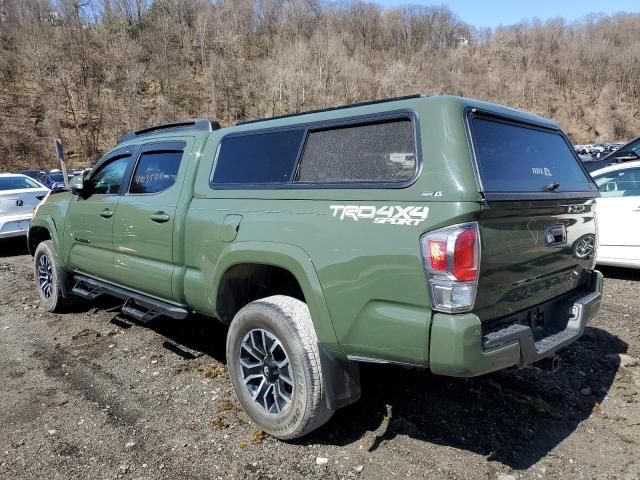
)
(76, 184)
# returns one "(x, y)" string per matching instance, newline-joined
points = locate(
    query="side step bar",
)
(140, 307)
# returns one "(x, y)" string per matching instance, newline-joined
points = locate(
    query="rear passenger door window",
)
(156, 171)
(378, 152)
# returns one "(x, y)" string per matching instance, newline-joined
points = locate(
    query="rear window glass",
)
(267, 157)
(516, 158)
(380, 152)
(17, 183)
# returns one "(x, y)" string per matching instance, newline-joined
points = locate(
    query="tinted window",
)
(108, 179)
(619, 183)
(630, 149)
(258, 158)
(514, 158)
(380, 152)
(17, 183)
(156, 171)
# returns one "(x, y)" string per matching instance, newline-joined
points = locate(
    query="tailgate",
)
(537, 228)
(531, 253)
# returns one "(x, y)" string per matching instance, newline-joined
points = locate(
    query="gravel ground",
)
(93, 395)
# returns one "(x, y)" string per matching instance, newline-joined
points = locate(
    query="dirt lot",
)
(93, 395)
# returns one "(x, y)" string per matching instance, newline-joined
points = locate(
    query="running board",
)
(138, 306)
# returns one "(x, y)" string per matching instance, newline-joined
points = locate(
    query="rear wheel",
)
(51, 281)
(274, 364)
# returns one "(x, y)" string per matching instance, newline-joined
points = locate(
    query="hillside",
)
(89, 71)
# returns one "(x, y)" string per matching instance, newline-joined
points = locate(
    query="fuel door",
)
(230, 227)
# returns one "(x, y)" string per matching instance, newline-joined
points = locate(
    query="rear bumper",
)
(14, 225)
(461, 348)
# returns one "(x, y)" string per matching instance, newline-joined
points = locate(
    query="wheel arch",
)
(289, 258)
(342, 377)
(41, 229)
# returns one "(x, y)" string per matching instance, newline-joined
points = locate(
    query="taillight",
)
(451, 259)
(596, 240)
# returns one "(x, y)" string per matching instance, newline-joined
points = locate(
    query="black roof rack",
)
(340, 107)
(201, 124)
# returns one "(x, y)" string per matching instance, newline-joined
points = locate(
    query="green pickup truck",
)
(437, 232)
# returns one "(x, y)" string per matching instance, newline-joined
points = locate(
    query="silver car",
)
(19, 195)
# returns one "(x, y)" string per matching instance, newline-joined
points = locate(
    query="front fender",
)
(48, 223)
(296, 261)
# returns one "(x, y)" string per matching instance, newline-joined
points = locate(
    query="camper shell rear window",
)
(516, 157)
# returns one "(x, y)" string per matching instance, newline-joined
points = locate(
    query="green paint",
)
(364, 282)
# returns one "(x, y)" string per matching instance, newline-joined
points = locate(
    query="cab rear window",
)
(514, 158)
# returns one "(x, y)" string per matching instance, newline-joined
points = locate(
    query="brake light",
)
(451, 259)
(465, 263)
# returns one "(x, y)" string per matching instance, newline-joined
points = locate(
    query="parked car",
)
(53, 179)
(618, 211)
(327, 239)
(19, 195)
(626, 153)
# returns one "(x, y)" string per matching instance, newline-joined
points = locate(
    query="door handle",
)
(106, 213)
(160, 217)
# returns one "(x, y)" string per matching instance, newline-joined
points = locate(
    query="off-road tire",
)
(288, 319)
(58, 298)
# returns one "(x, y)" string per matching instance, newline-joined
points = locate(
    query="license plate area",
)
(555, 235)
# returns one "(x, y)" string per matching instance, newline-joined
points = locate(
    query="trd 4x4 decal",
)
(394, 215)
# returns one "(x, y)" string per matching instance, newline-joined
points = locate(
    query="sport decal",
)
(393, 215)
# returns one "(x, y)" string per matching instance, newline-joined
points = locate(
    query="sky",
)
(492, 13)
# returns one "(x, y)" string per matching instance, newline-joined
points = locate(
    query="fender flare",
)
(288, 257)
(342, 377)
(48, 224)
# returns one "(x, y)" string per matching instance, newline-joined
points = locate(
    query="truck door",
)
(145, 218)
(89, 220)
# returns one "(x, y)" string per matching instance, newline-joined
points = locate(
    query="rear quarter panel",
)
(370, 274)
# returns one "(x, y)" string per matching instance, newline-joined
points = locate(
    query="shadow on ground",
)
(514, 417)
(620, 273)
(13, 247)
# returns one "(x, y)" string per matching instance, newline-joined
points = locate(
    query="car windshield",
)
(17, 183)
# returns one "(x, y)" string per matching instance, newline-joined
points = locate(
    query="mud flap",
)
(341, 379)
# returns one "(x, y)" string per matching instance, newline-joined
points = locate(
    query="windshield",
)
(56, 177)
(518, 158)
(17, 183)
